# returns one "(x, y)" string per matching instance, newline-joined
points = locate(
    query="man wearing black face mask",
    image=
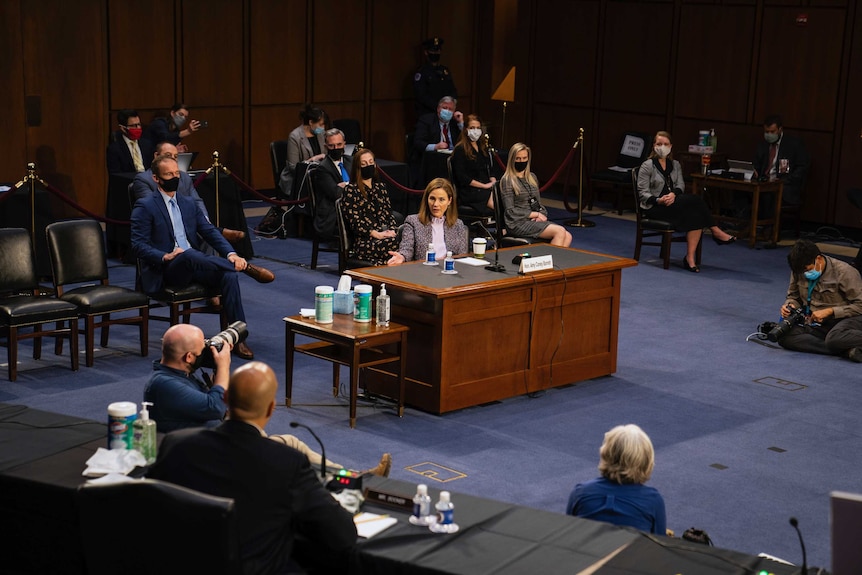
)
(329, 180)
(432, 81)
(179, 398)
(167, 229)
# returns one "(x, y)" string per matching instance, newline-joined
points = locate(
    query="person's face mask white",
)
(474, 134)
(662, 151)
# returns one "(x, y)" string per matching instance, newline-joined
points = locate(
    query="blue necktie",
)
(344, 175)
(179, 229)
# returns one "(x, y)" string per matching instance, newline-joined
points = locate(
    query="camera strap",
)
(811, 286)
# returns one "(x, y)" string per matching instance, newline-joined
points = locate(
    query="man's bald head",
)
(181, 339)
(251, 394)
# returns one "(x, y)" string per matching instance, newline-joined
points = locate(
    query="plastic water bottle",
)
(449, 264)
(422, 507)
(383, 307)
(445, 515)
(430, 256)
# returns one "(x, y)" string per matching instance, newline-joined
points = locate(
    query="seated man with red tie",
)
(437, 131)
(128, 152)
(328, 181)
(783, 157)
(167, 230)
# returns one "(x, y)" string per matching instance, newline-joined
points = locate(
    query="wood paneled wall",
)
(247, 66)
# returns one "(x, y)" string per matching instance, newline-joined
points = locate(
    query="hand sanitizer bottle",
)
(144, 434)
(383, 307)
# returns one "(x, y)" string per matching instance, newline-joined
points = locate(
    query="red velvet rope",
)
(559, 171)
(389, 179)
(261, 197)
(81, 208)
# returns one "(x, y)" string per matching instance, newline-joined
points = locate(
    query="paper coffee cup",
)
(479, 247)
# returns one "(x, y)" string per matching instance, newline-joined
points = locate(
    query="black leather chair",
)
(21, 305)
(278, 159)
(331, 245)
(181, 302)
(149, 526)
(77, 249)
(351, 129)
(652, 228)
(634, 149)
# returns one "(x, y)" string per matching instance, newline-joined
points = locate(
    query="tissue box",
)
(342, 302)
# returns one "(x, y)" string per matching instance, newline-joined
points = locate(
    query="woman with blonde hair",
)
(525, 215)
(619, 496)
(436, 223)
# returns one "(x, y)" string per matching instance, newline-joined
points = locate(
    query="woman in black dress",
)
(473, 170)
(368, 211)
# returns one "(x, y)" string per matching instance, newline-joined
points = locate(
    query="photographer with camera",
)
(182, 400)
(823, 310)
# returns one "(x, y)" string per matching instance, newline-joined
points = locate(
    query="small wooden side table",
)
(345, 342)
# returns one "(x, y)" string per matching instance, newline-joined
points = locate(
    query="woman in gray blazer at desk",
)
(660, 190)
(305, 142)
(436, 223)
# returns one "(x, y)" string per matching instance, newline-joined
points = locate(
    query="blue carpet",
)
(746, 435)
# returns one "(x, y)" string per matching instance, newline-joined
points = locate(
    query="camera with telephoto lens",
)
(796, 316)
(234, 334)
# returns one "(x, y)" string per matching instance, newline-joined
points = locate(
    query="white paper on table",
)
(370, 524)
(472, 261)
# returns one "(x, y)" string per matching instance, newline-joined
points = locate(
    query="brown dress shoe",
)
(232, 235)
(260, 274)
(382, 469)
(214, 302)
(242, 351)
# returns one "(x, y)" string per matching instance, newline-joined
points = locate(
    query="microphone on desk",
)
(795, 523)
(296, 424)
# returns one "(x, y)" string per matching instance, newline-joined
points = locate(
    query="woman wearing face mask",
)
(436, 223)
(305, 143)
(660, 189)
(473, 169)
(368, 212)
(173, 128)
(525, 216)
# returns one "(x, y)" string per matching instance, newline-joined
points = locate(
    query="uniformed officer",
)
(433, 80)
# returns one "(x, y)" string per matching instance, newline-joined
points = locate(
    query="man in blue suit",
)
(167, 229)
(144, 185)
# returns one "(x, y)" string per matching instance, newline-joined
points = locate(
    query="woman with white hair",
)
(619, 496)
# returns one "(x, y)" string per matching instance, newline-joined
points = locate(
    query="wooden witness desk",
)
(703, 184)
(345, 342)
(482, 336)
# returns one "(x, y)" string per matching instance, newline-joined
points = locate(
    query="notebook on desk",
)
(740, 169)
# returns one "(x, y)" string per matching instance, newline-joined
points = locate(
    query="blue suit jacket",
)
(153, 235)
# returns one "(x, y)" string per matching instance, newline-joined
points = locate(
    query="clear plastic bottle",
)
(383, 307)
(445, 515)
(713, 140)
(422, 507)
(430, 256)
(449, 264)
(144, 434)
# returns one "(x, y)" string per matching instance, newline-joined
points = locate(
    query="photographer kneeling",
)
(829, 294)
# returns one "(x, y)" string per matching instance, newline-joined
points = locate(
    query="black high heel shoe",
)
(724, 242)
(693, 269)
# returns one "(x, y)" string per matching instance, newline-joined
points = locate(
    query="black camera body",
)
(796, 316)
(234, 334)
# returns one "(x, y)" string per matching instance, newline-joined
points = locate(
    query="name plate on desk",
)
(536, 264)
(389, 499)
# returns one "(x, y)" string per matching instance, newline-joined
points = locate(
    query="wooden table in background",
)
(346, 342)
(702, 184)
(480, 336)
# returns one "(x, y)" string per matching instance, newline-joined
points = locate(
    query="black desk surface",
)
(40, 532)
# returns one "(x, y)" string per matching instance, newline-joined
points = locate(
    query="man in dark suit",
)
(128, 153)
(277, 495)
(781, 156)
(437, 131)
(144, 185)
(166, 236)
(328, 180)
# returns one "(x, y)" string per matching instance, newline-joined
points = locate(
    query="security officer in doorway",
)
(433, 80)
